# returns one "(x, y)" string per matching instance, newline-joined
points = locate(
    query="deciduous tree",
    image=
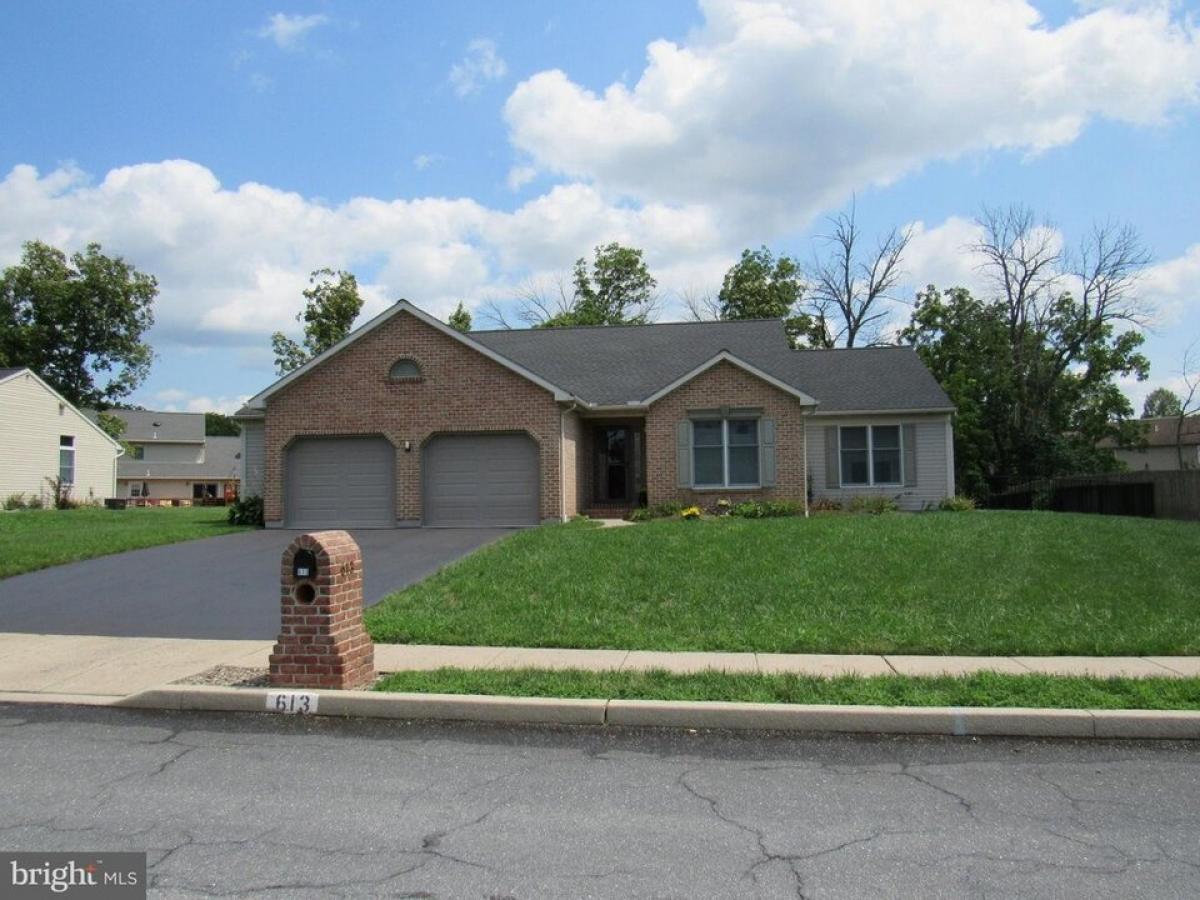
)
(460, 319)
(1161, 403)
(1032, 367)
(79, 322)
(332, 303)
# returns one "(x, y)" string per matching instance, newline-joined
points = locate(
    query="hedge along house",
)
(408, 422)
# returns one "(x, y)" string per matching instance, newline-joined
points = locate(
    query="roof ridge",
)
(626, 325)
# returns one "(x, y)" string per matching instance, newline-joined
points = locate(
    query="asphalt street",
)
(285, 807)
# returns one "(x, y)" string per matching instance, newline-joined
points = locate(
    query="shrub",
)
(15, 501)
(957, 503)
(873, 505)
(749, 509)
(246, 511)
(825, 504)
(690, 512)
(766, 509)
(35, 502)
(721, 508)
(659, 511)
(60, 493)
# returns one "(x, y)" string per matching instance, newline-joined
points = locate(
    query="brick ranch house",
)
(407, 422)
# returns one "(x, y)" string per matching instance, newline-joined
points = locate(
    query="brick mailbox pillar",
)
(322, 642)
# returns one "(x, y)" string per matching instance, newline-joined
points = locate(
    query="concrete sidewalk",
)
(103, 668)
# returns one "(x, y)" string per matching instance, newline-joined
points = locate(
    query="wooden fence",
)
(1162, 495)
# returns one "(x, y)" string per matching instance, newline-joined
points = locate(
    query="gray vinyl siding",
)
(253, 458)
(934, 459)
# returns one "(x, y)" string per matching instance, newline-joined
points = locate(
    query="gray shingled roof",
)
(222, 459)
(624, 364)
(6, 373)
(147, 426)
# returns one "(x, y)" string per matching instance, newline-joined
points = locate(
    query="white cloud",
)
(1174, 287)
(288, 31)
(232, 262)
(775, 110)
(519, 176)
(480, 64)
(178, 400)
(423, 161)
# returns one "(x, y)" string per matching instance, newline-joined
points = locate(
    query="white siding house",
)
(42, 436)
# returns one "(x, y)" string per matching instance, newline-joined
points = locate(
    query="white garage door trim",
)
(480, 479)
(340, 481)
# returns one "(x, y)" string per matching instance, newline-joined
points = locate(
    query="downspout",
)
(805, 415)
(562, 456)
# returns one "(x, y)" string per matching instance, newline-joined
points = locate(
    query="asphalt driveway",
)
(223, 587)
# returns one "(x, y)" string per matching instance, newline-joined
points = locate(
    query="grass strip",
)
(984, 689)
(37, 539)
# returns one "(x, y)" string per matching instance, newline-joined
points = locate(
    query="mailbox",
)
(322, 642)
(304, 564)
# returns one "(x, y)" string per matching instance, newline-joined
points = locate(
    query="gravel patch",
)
(229, 676)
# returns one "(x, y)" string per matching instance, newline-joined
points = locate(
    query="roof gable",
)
(403, 306)
(87, 420)
(726, 356)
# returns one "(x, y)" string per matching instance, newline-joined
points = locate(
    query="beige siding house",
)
(1162, 450)
(42, 436)
(172, 459)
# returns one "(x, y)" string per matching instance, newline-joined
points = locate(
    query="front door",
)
(617, 460)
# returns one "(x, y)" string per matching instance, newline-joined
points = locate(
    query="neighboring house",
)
(409, 422)
(1160, 453)
(42, 436)
(171, 459)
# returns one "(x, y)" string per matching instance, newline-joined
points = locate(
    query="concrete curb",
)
(960, 722)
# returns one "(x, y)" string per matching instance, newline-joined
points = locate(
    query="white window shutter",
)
(766, 452)
(683, 454)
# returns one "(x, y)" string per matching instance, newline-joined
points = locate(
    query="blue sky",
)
(464, 150)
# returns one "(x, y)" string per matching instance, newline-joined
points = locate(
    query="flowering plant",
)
(691, 512)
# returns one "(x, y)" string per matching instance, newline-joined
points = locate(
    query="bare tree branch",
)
(1190, 402)
(855, 288)
(701, 304)
(492, 313)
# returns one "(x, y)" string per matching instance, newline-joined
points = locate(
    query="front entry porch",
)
(616, 451)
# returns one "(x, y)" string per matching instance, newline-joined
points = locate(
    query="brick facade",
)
(322, 642)
(725, 385)
(460, 390)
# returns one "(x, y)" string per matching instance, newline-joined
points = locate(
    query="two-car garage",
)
(467, 480)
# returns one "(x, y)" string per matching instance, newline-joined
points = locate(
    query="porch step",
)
(607, 512)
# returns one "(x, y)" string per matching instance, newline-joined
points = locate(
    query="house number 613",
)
(291, 702)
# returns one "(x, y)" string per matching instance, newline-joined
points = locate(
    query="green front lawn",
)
(983, 689)
(975, 583)
(37, 539)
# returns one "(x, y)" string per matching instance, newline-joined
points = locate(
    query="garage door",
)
(341, 483)
(481, 479)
